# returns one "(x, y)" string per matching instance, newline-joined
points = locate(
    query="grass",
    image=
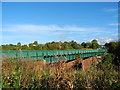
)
(37, 74)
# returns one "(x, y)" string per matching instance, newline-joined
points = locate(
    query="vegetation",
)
(36, 74)
(52, 46)
(114, 49)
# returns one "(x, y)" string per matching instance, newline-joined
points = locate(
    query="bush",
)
(36, 74)
(109, 58)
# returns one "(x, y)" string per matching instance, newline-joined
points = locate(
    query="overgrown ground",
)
(37, 74)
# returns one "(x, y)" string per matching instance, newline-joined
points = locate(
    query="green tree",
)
(18, 44)
(35, 43)
(83, 44)
(45, 47)
(31, 47)
(95, 44)
(94, 41)
(25, 47)
(74, 45)
(89, 45)
(66, 45)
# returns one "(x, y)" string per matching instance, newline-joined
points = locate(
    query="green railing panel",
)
(25, 54)
(9, 54)
(31, 53)
(52, 55)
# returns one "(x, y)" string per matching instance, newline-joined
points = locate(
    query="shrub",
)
(36, 74)
(109, 58)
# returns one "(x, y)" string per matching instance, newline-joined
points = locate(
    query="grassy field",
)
(37, 74)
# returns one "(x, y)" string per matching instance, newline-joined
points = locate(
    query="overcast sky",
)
(26, 22)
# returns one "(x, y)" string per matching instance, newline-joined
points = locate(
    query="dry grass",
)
(37, 74)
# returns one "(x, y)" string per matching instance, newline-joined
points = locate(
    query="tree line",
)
(52, 46)
(113, 48)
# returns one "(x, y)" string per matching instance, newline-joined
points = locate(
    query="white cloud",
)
(20, 28)
(76, 41)
(103, 40)
(45, 33)
(63, 38)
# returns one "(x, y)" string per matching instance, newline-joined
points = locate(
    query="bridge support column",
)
(87, 63)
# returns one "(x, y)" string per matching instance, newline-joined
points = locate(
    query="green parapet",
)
(56, 58)
(50, 55)
(9, 54)
(45, 53)
(47, 59)
(82, 55)
(70, 52)
(25, 54)
(40, 55)
(61, 57)
(52, 59)
(61, 52)
(32, 53)
(74, 56)
(56, 52)
(67, 57)
(70, 57)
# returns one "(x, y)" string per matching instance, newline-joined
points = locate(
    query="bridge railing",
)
(52, 55)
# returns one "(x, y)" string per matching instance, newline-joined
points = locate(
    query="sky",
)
(27, 22)
(60, 0)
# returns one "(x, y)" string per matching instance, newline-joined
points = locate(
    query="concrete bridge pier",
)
(85, 64)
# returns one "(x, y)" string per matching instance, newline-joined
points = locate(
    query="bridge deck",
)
(52, 55)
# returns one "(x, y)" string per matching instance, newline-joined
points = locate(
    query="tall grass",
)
(37, 74)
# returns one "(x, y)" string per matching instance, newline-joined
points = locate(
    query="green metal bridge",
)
(52, 55)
